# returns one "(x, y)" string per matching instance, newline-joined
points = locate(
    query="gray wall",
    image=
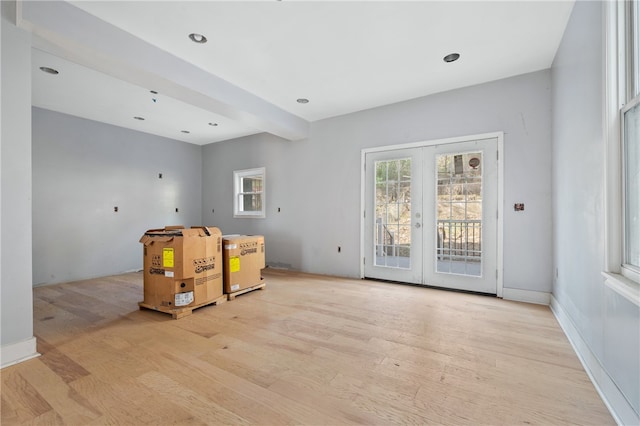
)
(608, 323)
(82, 169)
(15, 187)
(316, 182)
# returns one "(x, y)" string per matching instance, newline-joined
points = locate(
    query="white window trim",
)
(623, 286)
(624, 281)
(237, 176)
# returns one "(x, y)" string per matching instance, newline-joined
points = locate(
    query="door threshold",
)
(455, 290)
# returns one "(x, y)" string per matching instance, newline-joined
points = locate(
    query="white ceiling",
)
(86, 93)
(262, 56)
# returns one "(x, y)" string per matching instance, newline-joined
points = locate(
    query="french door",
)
(431, 215)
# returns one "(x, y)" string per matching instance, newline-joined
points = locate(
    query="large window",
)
(249, 193)
(623, 149)
(630, 118)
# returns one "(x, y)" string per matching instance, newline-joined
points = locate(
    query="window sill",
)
(625, 287)
(248, 216)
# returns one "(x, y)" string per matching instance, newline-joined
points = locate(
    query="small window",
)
(249, 193)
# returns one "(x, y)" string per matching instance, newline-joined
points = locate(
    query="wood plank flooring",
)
(307, 349)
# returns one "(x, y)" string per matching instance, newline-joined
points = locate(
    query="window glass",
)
(249, 194)
(632, 186)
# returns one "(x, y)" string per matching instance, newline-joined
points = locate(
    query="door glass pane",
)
(459, 214)
(392, 242)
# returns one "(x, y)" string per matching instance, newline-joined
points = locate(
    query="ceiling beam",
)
(73, 34)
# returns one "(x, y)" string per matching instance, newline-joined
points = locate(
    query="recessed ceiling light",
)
(197, 38)
(451, 57)
(185, 131)
(138, 118)
(213, 124)
(302, 101)
(49, 70)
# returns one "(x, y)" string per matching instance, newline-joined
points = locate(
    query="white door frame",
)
(500, 138)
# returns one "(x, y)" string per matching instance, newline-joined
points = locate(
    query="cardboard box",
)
(243, 261)
(182, 267)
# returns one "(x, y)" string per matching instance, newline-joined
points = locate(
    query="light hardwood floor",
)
(306, 350)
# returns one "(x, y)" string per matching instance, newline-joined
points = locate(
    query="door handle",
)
(418, 225)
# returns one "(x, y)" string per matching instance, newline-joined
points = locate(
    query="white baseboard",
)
(15, 353)
(529, 296)
(622, 412)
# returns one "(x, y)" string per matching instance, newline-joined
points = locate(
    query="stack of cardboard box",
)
(186, 268)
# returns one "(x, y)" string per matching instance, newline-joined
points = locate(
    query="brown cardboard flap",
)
(207, 230)
(169, 232)
(148, 240)
(193, 232)
(154, 231)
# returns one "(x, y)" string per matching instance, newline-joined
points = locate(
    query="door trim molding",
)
(500, 236)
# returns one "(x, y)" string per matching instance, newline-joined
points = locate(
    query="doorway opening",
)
(432, 213)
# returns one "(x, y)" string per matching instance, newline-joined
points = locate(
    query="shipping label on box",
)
(184, 299)
(167, 257)
(234, 264)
